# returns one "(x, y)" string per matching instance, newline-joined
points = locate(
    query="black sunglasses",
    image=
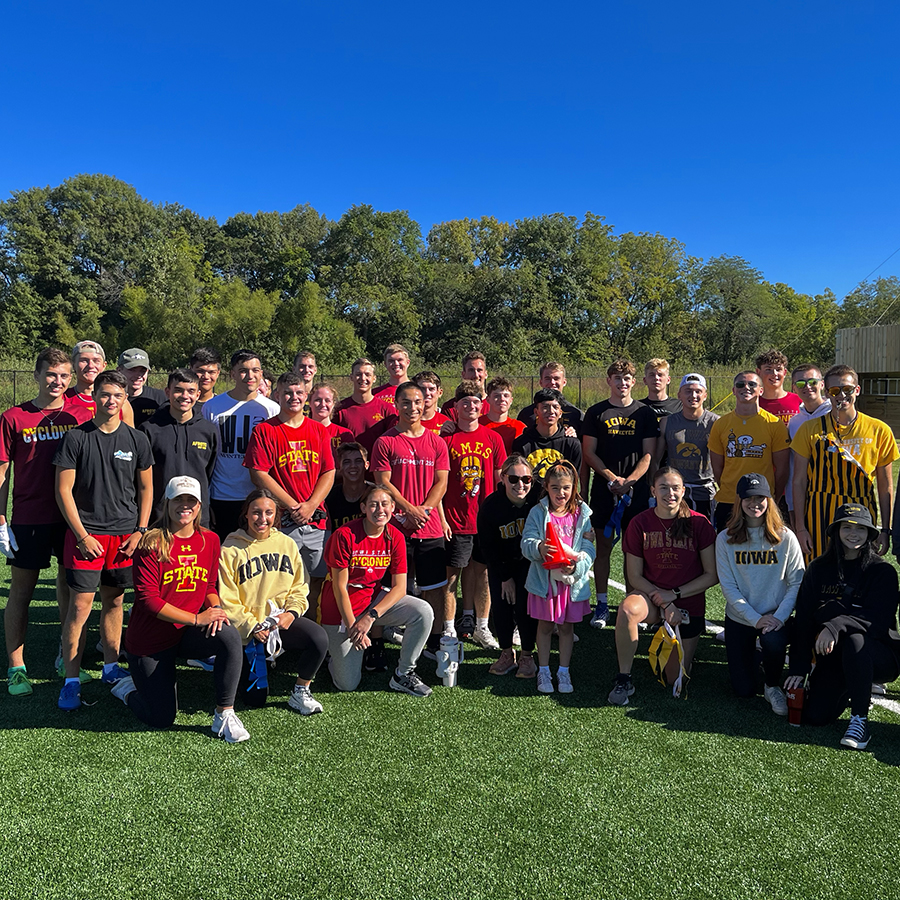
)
(515, 479)
(746, 384)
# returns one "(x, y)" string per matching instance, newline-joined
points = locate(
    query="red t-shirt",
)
(508, 430)
(412, 463)
(367, 421)
(386, 392)
(339, 435)
(83, 401)
(669, 563)
(29, 439)
(367, 559)
(295, 457)
(785, 407)
(184, 581)
(435, 422)
(474, 456)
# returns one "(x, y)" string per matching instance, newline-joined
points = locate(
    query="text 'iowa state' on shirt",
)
(187, 573)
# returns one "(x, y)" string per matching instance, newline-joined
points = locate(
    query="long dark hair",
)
(257, 494)
(834, 552)
(682, 528)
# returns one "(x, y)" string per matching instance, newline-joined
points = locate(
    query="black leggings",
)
(743, 657)
(845, 677)
(305, 637)
(508, 615)
(155, 701)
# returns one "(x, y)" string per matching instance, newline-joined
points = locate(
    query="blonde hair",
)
(160, 538)
(656, 363)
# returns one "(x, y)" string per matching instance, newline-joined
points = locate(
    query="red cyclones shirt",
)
(474, 456)
(184, 581)
(368, 560)
(294, 457)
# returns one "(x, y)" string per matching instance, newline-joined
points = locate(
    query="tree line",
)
(90, 258)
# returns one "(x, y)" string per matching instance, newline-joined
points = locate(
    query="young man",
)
(305, 366)
(619, 438)
(474, 368)
(476, 454)
(744, 441)
(396, 361)
(342, 502)
(88, 361)
(104, 487)
(772, 369)
(553, 377)
(430, 382)
(290, 455)
(500, 397)
(183, 442)
(134, 364)
(367, 416)
(206, 363)
(235, 413)
(547, 441)
(412, 463)
(30, 435)
(684, 440)
(809, 386)
(657, 379)
(842, 457)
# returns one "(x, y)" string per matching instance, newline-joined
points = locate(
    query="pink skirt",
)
(558, 607)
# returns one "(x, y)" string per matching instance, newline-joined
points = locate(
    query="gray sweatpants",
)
(346, 662)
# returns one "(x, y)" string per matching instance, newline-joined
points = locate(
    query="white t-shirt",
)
(235, 420)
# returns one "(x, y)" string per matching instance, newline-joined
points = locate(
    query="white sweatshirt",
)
(759, 578)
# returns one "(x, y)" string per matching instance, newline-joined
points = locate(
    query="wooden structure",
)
(874, 352)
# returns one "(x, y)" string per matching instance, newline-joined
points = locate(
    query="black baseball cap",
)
(753, 485)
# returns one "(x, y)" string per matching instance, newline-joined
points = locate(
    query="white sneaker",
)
(227, 725)
(777, 700)
(303, 701)
(122, 688)
(544, 682)
(484, 637)
(564, 682)
(517, 640)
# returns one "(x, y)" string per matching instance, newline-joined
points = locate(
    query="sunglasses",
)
(516, 479)
(848, 390)
(808, 382)
(746, 384)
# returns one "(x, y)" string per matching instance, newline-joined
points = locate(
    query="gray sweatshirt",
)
(759, 578)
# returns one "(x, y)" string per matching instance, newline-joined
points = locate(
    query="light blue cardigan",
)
(538, 580)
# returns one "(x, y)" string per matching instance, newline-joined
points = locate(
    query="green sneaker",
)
(18, 683)
(83, 677)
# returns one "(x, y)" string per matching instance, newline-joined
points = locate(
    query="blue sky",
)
(763, 130)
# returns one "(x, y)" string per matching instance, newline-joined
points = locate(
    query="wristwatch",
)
(373, 613)
(677, 593)
(142, 529)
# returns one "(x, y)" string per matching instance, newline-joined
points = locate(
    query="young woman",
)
(760, 568)
(670, 561)
(501, 520)
(362, 555)
(177, 613)
(322, 401)
(845, 609)
(560, 597)
(260, 564)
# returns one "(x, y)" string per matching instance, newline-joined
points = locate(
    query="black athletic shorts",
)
(37, 543)
(429, 557)
(459, 550)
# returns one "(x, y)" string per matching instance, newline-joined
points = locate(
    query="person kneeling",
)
(359, 556)
(264, 592)
(177, 613)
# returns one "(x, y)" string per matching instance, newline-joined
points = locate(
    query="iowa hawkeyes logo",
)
(542, 459)
(470, 475)
(686, 450)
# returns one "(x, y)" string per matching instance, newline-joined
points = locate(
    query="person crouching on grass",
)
(846, 611)
(178, 614)
(670, 559)
(561, 597)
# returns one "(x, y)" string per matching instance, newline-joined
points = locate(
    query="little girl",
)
(562, 596)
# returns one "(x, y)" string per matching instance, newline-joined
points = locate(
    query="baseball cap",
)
(131, 359)
(693, 378)
(183, 484)
(753, 485)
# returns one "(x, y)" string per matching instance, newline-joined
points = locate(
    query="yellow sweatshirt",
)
(252, 572)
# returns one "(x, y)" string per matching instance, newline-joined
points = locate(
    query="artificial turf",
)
(487, 790)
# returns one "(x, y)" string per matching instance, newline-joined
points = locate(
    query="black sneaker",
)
(409, 684)
(622, 690)
(857, 733)
(374, 659)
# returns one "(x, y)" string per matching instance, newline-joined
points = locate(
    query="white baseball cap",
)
(183, 484)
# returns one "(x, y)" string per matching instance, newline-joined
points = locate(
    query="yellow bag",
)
(664, 642)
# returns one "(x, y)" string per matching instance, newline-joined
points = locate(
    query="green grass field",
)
(488, 790)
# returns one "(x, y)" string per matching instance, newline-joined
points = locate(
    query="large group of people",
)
(277, 517)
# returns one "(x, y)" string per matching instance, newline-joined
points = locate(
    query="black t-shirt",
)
(106, 468)
(663, 408)
(542, 451)
(340, 509)
(620, 432)
(571, 416)
(150, 400)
